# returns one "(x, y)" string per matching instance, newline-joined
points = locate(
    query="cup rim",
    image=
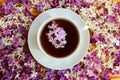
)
(42, 27)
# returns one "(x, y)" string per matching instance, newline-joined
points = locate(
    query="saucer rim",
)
(53, 63)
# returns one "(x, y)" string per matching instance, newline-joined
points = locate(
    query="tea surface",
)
(70, 40)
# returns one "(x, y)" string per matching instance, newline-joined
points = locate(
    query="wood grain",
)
(114, 77)
(1, 2)
(116, 1)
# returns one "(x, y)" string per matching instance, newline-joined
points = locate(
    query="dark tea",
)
(59, 38)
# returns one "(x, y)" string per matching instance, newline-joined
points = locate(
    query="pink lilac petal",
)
(62, 78)
(105, 74)
(26, 12)
(118, 37)
(15, 41)
(118, 24)
(61, 33)
(106, 50)
(5, 31)
(54, 26)
(111, 19)
(1, 46)
(27, 4)
(115, 72)
(116, 10)
(50, 74)
(25, 77)
(54, 3)
(77, 68)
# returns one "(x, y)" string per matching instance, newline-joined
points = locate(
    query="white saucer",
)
(54, 63)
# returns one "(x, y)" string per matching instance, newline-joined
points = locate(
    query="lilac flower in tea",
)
(56, 35)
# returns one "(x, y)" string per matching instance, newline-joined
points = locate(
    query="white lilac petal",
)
(58, 29)
(54, 25)
(49, 26)
(51, 39)
(62, 33)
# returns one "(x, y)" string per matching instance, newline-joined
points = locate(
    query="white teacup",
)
(53, 19)
(40, 54)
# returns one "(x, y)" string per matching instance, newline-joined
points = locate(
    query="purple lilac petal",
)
(117, 59)
(39, 7)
